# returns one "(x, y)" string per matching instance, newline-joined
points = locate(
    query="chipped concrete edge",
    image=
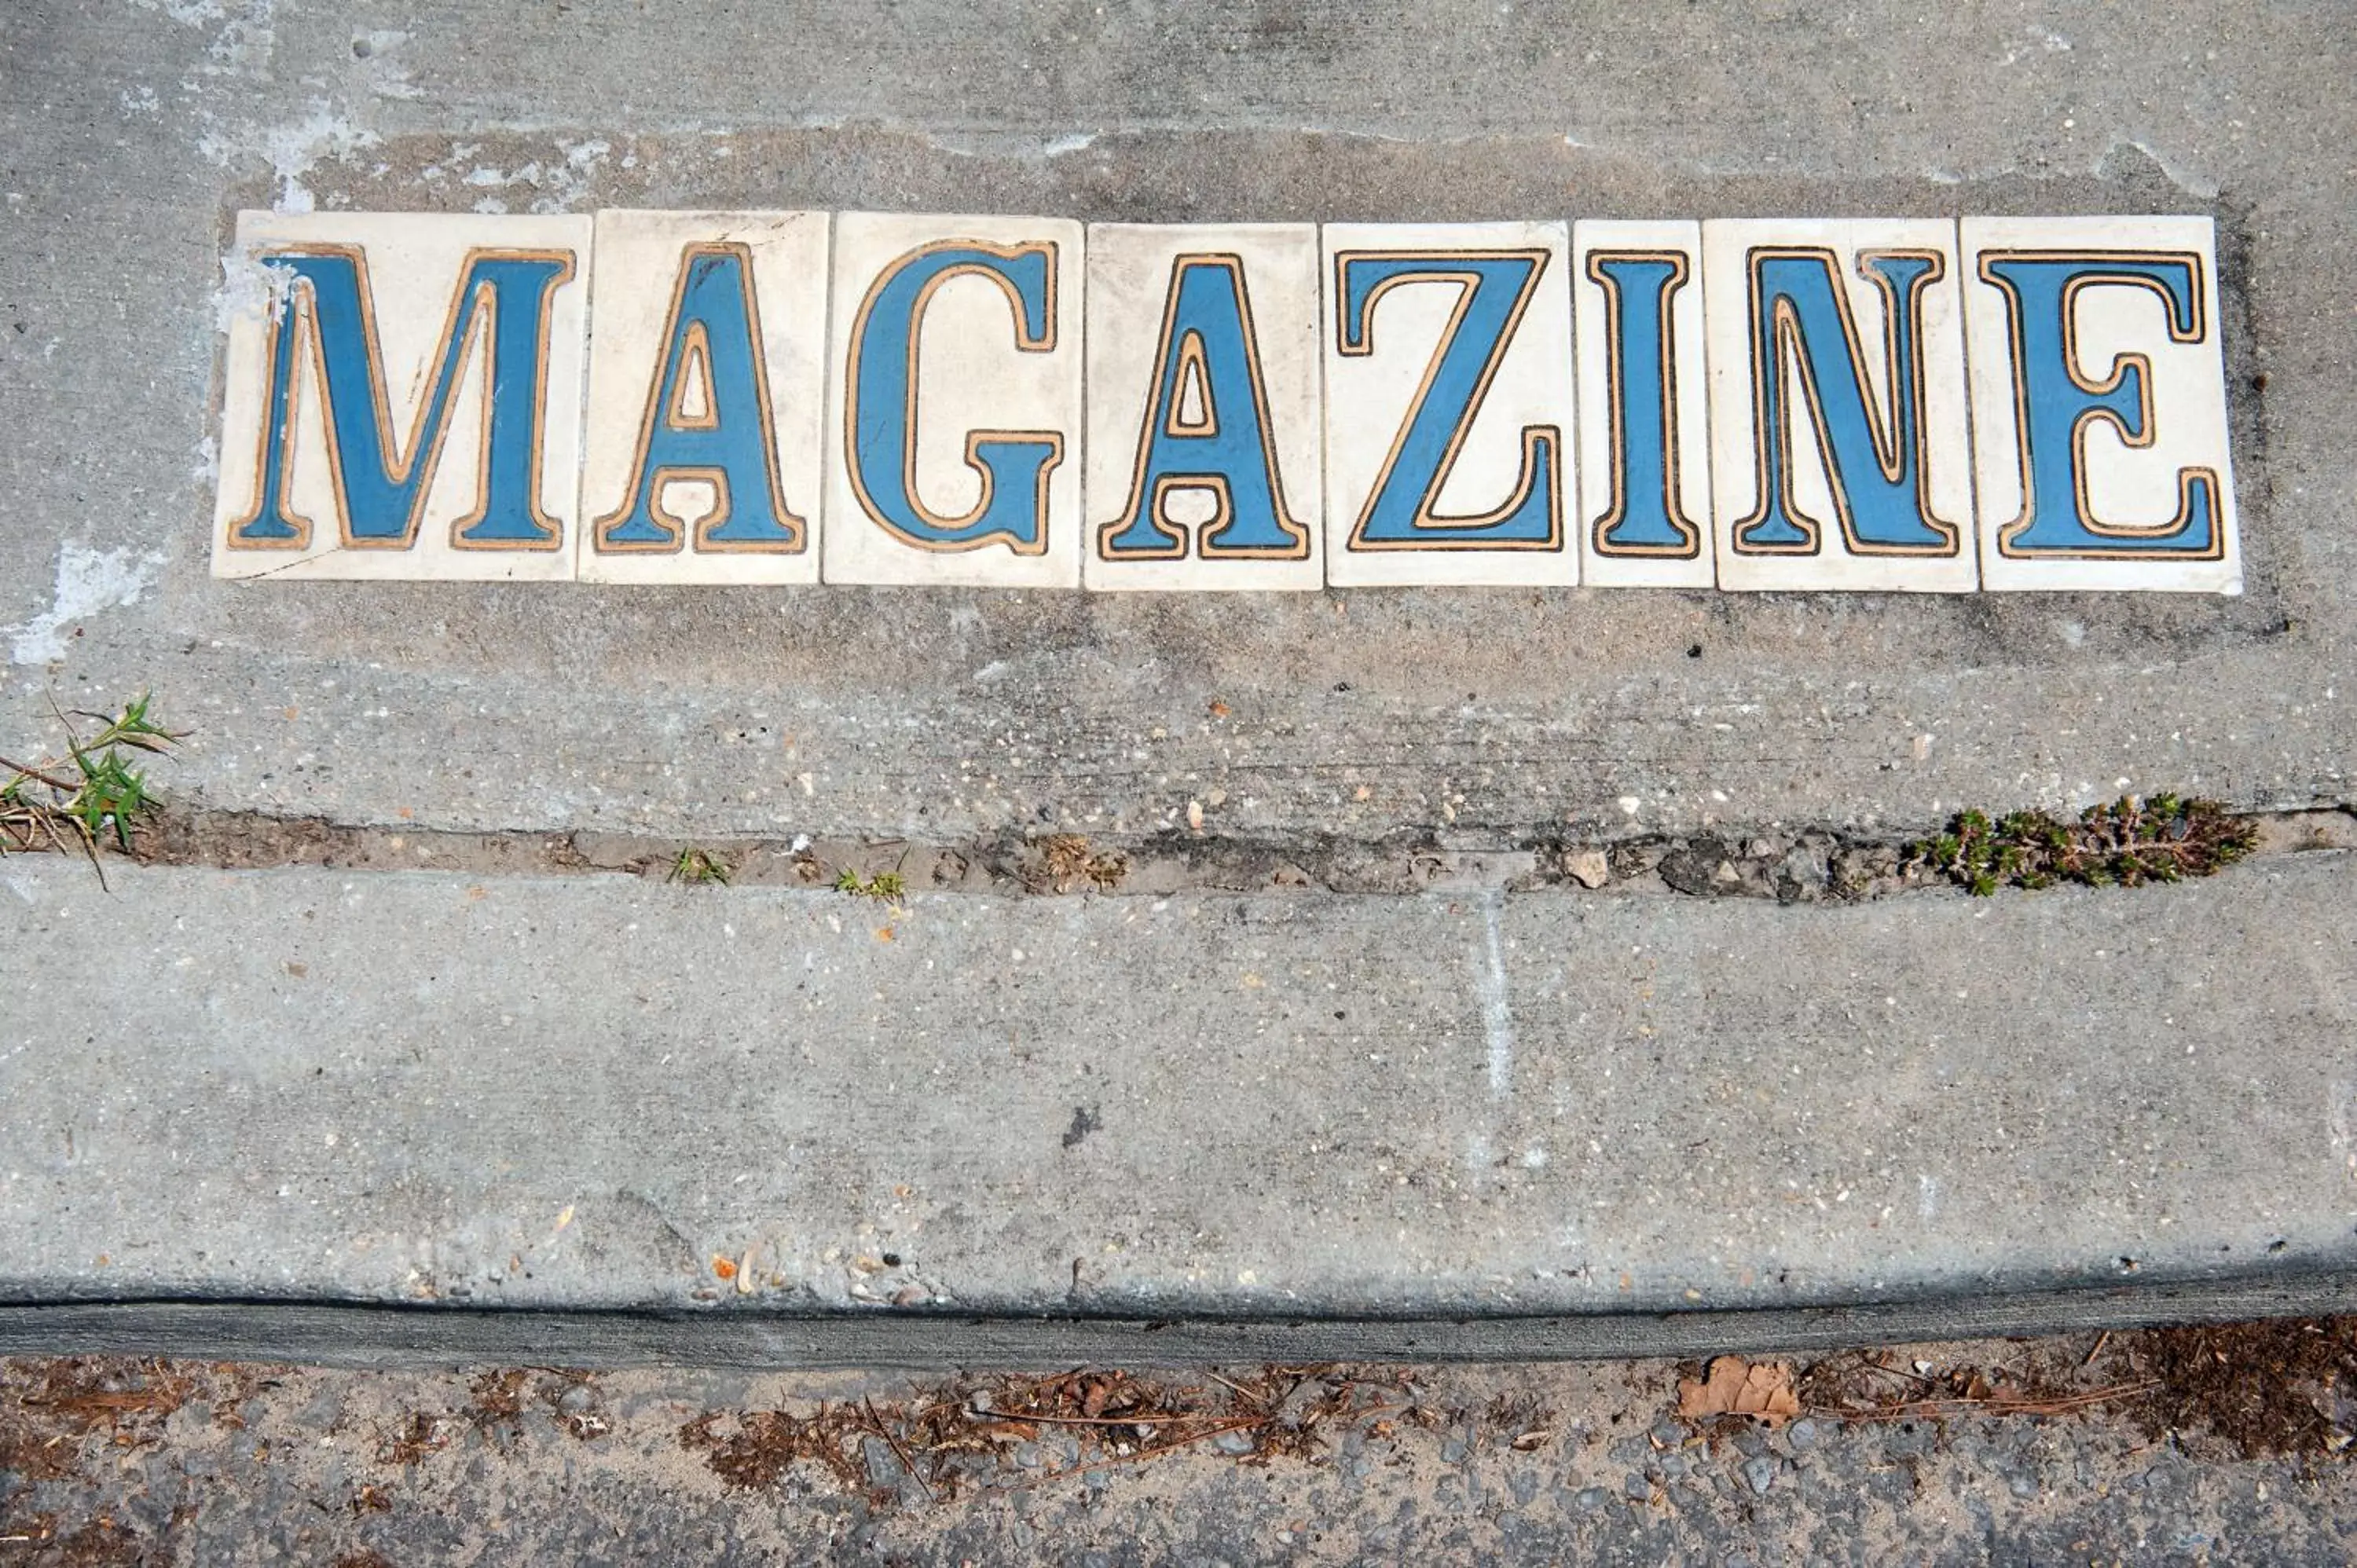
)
(386, 1337)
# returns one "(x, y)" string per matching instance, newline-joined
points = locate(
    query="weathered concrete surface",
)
(1520, 1102)
(131, 131)
(410, 1087)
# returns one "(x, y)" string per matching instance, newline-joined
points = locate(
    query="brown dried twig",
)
(1948, 1409)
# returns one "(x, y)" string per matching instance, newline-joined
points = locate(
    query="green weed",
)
(2127, 842)
(90, 795)
(886, 886)
(701, 866)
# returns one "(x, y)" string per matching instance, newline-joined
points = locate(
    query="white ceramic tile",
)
(1883, 499)
(1447, 403)
(1644, 438)
(2138, 479)
(1218, 484)
(356, 336)
(954, 402)
(707, 395)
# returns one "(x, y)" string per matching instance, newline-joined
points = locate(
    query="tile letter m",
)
(322, 320)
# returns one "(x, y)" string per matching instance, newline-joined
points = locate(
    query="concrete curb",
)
(570, 1095)
(314, 1334)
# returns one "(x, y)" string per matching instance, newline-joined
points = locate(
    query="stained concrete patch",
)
(88, 581)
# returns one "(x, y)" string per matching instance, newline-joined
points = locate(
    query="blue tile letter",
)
(880, 402)
(1645, 517)
(1403, 511)
(1800, 317)
(2055, 404)
(500, 310)
(1207, 427)
(729, 439)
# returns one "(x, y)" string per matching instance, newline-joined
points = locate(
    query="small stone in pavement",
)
(1588, 867)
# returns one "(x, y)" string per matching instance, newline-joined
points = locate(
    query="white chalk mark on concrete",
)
(1497, 1016)
(2341, 1116)
(249, 289)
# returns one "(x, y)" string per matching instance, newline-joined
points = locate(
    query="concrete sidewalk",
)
(953, 713)
(311, 1085)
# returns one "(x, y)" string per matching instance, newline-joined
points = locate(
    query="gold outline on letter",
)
(1671, 499)
(1427, 512)
(300, 314)
(2008, 533)
(1786, 330)
(1054, 439)
(1196, 536)
(697, 349)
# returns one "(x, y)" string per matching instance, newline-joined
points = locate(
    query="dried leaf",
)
(1731, 1386)
(1714, 1392)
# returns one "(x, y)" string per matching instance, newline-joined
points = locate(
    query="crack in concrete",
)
(1805, 866)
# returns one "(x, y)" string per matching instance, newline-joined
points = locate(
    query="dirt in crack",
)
(2134, 844)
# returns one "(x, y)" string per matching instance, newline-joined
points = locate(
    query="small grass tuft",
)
(2126, 843)
(700, 866)
(887, 885)
(90, 795)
